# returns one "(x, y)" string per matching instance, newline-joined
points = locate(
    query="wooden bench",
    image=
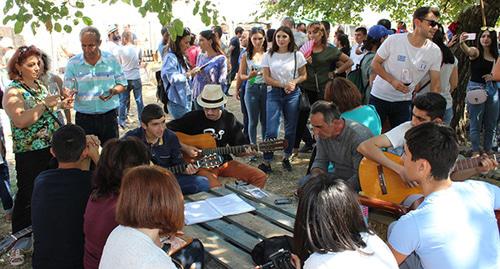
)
(229, 241)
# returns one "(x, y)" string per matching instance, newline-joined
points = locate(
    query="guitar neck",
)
(228, 150)
(471, 163)
(177, 169)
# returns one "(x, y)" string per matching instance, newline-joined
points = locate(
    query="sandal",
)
(16, 257)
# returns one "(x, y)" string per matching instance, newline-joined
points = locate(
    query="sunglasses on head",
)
(490, 29)
(431, 22)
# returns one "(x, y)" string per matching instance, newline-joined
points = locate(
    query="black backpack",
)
(356, 77)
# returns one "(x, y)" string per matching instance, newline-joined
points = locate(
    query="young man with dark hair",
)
(455, 226)
(337, 140)
(234, 53)
(59, 200)
(400, 64)
(225, 129)
(165, 148)
(356, 55)
(426, 108)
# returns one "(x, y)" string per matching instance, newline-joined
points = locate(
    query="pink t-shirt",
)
(192, 53)
(99, 222)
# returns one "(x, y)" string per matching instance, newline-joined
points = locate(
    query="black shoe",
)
(266, 168)
(306, 148)
(286, 165)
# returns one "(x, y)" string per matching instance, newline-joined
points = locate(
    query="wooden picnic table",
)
(229, 241)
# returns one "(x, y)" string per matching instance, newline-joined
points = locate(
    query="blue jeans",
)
(448, 116)
(397, 112)
(191, 184)
(136, 86)
(255, 101)
(176, 110)
(244, 109)
(279, 102)
(483, 115)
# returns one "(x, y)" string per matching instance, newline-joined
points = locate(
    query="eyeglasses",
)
(490, 29)
(431, 22)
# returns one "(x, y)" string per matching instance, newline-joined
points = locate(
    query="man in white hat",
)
(113, 43)
(226, 130)
(6, 50)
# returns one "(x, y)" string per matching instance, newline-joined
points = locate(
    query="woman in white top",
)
(256, 88)
(448, 74)
(283, 69)
(330, 232)
(150, 202)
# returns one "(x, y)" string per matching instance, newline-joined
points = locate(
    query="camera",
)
(281, 259)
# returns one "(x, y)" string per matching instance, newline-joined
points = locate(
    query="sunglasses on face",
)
(487, 28)
(431, 22)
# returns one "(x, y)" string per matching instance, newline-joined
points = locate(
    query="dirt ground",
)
(280, 181)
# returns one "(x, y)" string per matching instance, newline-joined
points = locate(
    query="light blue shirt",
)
(91, 81)
(173, 76)
(454, 228)
(366, 115)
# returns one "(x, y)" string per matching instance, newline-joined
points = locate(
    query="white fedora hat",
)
(211, 96)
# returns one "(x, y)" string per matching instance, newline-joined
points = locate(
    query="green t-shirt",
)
(319, 68)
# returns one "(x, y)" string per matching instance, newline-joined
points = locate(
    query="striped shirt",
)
(91, 81)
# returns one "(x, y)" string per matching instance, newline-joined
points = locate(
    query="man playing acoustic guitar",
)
(165, 148)
(455, 226)
(429, 107)
(226, 130)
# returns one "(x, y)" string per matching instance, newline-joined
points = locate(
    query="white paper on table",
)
(200, 211)
(215, 208)
(230, 204)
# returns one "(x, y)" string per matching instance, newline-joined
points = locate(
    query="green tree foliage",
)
(63, 15)
(348, 11)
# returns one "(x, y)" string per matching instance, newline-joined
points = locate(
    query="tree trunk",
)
(470, 21)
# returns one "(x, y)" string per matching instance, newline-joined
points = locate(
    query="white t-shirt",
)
(445, 74)
(376, 255)
(356, 58)
(399, 54)
(282, 65)
(453, 228)
(299, 38)
(397, 134)
(127, 247)
(128, 57)
(112, 48)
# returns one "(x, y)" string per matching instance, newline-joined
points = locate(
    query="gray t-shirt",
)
(342, 152)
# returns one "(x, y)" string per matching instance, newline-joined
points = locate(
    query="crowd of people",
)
(112, 208)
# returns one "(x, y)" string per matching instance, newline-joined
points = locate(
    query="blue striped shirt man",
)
(91, 81)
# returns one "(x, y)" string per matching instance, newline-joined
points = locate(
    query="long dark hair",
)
(175, 47)
(328, 218)
(117, 155)
(438, 39)
(493, 46)
(291, 46)
(210, 35)
(250, 47)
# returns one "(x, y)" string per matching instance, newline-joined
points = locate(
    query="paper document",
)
(215, 208)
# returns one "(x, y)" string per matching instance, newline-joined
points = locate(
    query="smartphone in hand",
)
(471, 36)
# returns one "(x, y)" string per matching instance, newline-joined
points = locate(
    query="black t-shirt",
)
(227, 130)
(58, 204)
(235, 54)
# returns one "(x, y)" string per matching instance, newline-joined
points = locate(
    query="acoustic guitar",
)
(208, 161)
(380, 182)
(208, 145)
(8, 242)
